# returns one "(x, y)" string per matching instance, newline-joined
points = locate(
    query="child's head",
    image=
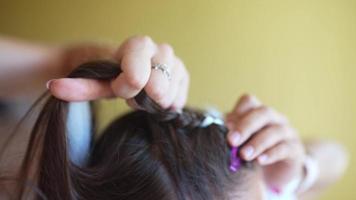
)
(151, 154)
(141, 157)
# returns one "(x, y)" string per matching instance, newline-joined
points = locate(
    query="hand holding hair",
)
(266, 136)
(145, 66)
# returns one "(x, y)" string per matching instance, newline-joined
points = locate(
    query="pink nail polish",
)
(262, 159)
(235, 137)
(248, 151)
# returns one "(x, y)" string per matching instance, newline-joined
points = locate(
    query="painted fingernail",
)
(235, 138)
(262, 159)
(248, 152)
(48, 84)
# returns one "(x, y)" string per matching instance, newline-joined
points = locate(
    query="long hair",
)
(149, 154)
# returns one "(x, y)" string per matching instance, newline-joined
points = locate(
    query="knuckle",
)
(278, 128)
(246, 123)
(136, 82)
(157, 95)
(263, 139)
(165, 104)
(144, 41)
(283, 148)
(166, 48)
(257, 143)
(147, 40)
(278, 131)
(266, 133)
(248, 97)
(266, 110)
(251, 117)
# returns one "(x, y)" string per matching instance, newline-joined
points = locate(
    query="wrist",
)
(53, 65)
(302, 181)
(310, 174)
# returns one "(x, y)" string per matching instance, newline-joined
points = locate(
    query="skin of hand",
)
(266, 137)
(135, 56)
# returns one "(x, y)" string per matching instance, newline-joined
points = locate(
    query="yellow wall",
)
(298, 56)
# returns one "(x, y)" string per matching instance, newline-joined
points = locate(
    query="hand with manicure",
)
(265, 136)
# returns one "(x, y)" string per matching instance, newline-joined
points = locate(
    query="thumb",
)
(79, 89)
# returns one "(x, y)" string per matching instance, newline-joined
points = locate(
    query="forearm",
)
(24, 66)
(331, 159)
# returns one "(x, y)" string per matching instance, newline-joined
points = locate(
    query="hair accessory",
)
(235, 161)
(163, 68)
(210, 119)
(212, 116)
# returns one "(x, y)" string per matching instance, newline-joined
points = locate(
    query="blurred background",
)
(297, 56)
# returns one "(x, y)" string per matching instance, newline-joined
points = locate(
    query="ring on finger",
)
(163, 68)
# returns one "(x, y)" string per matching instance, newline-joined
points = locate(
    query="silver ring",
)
(163, 68)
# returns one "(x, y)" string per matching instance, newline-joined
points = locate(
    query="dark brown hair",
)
(151, 154)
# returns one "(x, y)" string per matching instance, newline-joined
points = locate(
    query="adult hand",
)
(136, 56)
(265, 136)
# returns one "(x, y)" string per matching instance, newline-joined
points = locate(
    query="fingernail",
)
(248, 152)
(262, 159)
(48, 84)
(235, 138)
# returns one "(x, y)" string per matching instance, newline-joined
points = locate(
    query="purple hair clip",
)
(235, 161)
